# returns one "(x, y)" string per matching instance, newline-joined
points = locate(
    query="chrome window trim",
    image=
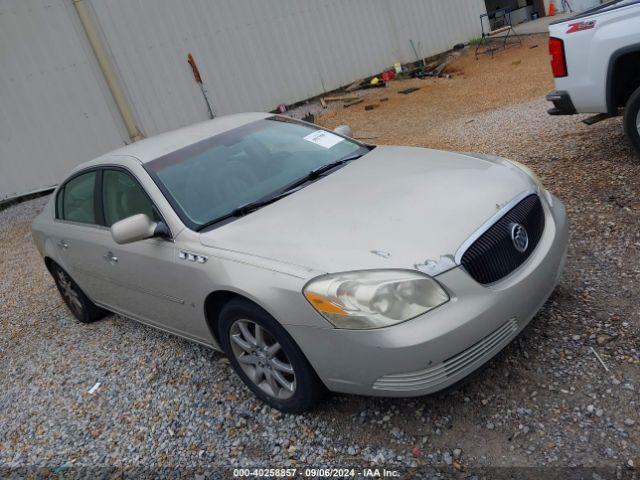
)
(80, 224)
(489, 223)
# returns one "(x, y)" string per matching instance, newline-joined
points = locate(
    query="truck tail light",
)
(558, 62)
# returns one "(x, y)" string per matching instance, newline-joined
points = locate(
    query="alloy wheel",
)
(69, 292)
(262, 359)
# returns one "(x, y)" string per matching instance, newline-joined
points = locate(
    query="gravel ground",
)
(544, 401)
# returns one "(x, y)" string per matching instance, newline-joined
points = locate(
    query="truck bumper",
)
(562, 104)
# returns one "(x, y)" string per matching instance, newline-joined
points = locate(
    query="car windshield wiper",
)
(289, 189)
(318, 171)
(251, 206)
(248, 208)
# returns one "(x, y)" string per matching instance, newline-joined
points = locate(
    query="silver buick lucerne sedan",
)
(315, 262)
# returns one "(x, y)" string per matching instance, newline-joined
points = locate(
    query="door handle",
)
(63, 245)
(110, 257)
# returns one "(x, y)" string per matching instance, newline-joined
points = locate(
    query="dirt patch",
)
(511, 76)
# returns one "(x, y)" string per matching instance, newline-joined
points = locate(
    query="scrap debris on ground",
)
(546, 400)
(358, 91)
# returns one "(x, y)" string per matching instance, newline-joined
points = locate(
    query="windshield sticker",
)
(323, 138)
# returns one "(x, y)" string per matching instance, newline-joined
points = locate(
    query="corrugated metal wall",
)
(256, 54)
(55, 110)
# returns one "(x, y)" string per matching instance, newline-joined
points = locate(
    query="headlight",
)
(373, 298)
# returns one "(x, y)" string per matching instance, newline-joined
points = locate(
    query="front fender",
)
(279, 294)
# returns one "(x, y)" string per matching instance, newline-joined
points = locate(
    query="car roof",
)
(154, 147)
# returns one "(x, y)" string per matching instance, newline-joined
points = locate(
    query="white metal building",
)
(57, 108)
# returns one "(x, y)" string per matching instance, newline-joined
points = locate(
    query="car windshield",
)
(213, 178)
(618, 3)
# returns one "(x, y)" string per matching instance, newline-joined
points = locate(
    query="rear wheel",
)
(632, 119)
(82, 308)
(267, 359)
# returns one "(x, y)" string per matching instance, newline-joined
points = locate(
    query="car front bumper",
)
(437, 349)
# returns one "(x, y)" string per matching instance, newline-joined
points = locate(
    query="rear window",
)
(613, 4)
(605, 7)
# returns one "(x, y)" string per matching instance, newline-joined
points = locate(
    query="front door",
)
(147, 283)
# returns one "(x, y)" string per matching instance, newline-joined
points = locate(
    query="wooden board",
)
(353, 102)
(339, 99)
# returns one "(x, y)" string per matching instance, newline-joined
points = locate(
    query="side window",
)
(122, 197)
(78, 203)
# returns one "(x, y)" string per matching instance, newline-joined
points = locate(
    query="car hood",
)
(396, 207)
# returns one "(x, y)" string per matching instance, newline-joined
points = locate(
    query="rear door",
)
(78, 234)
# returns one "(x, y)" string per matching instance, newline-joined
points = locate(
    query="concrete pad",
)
(541, 25)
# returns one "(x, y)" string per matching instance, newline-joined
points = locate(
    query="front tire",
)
(267, 359)
(632, 119)
(82, 308)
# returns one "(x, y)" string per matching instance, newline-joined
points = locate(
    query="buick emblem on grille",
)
(519, 237)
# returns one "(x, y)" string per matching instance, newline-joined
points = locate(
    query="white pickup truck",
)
(595, 59)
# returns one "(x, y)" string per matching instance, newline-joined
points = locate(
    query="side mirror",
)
(344, 130)
(135, 228)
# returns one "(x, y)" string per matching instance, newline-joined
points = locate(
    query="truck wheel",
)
(632, 119)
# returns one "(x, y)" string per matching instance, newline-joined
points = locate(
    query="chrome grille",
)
(493, 255)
